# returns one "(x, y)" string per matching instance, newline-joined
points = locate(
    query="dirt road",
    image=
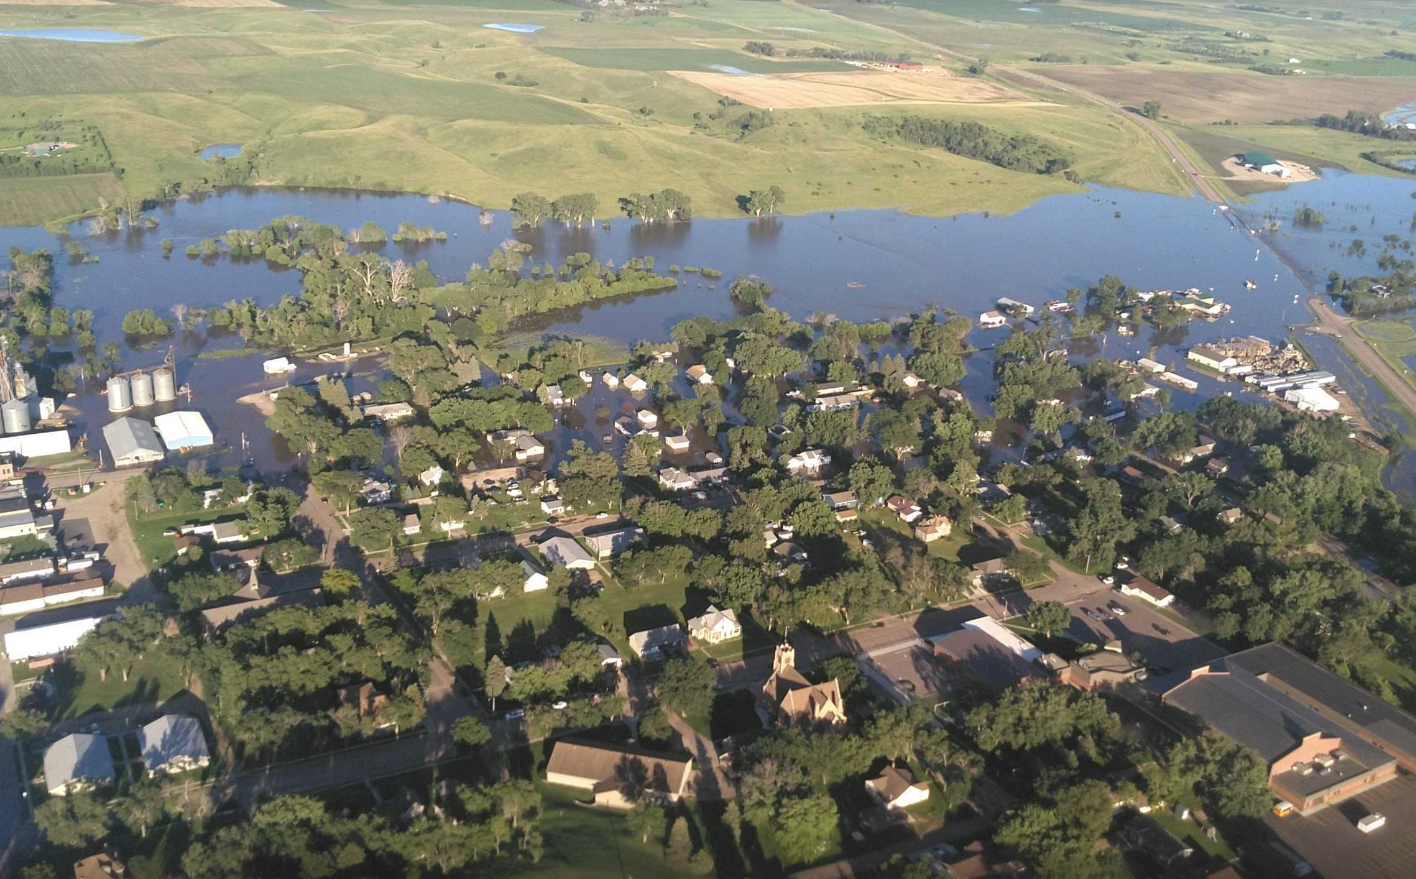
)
(1334, 324)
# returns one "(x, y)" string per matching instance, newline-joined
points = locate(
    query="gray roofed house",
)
(1313, 761)
(566, 552)
(173, 743)
(652, 643)
(132, 441)
(77, 762)
(223, 616)
(610, 543)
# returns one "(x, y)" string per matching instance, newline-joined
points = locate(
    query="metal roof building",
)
(132, 441)
(173, 743)
(47, 640)
(184, 430)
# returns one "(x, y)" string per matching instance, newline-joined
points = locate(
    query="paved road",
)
(1334, 324)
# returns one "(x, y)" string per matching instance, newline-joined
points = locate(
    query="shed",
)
(184, 430)
(132, 441)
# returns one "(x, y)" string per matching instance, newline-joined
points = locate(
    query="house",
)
(1216, 467)
(933, 528)
(710, 475)
(911, 381)
(790, 553)
(634, 384)
(841, 500)
(184, 430)
(1316, 755)
(551, 395)
(1132, 475)
(610, 379)
(833, 403)
(674, 479)
(368, 704)
(611, 543)
(1212, 357)
(100, 866)
(412, 524)
(847, 515)
(29, 597)
(699, 374)
(1147, 365)
(30, 569)
(1203, 449)
(779, 431)
(1145, 590)
(896, 789)
(564, 551)
(1171, 525)
(586, 377)
(534, 579)
(552, 506)
(77, 762)
(652, 644)
(375, 491)
(609, 656)
(792, 698)
(715, 625)
(386, 413)
(992, 320)
(981, 572)
(1231, 515)
(605, 770)
(677, 443)
(173, 743)
(1014, 307)
(906, 509)
(230, 532)
(807, 462)
(432, 476)
(219, 618)
(132, 442)
(1143, 833)
(647, 420)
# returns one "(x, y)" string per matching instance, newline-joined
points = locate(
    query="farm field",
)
(796, 91)
(34, 200)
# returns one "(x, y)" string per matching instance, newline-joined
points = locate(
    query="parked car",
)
(1108, 579)
(1117, 608)
(560, 705)
(515, 714)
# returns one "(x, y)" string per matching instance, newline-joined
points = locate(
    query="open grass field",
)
(418, 95)
(797, 91)
(29, 201)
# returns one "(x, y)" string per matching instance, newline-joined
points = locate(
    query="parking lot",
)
(1332, 844)
(1163, 644)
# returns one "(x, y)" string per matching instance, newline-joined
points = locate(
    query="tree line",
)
(1015, 152)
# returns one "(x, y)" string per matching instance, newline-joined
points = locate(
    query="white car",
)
(560, 705)
(1118, 609)
(602, 515)
(1108, 579)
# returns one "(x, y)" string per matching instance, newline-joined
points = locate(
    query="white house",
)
(173, 743)
(647, 419)
(229, 532)
(634, 384)
(674, 479)
(715, 625)
(432, 476)
(1145, 590)
(896, 789)
(552, 506)
(551, 395)
(1212, 357)
(1013, 306)
(1148, 365)
(808, 462)
(610, 379)
(992, 320)
(678, 443)
(651, 644)
(611, 543)
(699, 374)
(566, 552)
(910, 380)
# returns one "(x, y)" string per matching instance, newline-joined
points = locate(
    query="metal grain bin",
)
(164, 385)
(120, 396)
(142, 389)
(16, 416)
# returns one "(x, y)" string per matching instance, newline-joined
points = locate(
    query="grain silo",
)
(164, 385)
(142, 389)
(120, 397)
(16, 416)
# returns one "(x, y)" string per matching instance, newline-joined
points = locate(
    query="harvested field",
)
(798, 91)
(1200, 97)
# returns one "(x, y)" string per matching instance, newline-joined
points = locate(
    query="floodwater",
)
(858, 265)
(516, 28)
(224, 150)
(75, 35)
(728, 68)
(1401, 115)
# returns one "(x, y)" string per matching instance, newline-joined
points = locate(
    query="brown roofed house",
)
(793, 698)
(101, 866)
(615, 773)
(367, 702)
(896, 789)
(932, 529)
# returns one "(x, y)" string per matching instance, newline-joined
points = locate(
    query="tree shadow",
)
(491, 638)
(650, 616)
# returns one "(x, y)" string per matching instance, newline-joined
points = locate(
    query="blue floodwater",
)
(727, 68)
(1407, 163)
(75, 35)
(224, 150)
(1401, 115)
(516, 28)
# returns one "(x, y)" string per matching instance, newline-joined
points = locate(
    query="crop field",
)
(35, 200)
(795, 91)
(1205, 96)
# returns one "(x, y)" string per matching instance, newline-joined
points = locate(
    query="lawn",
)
(593, 843)
(156, 549)
(1402, 678)
(80, 690)
(27, 201)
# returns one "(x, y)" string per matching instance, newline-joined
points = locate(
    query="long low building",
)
(49, 640)
(184, 430)
(1314, 762)
(29, 597)
(37, 443)
(607, 770)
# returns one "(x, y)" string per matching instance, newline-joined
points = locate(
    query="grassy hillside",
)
(421, 96)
